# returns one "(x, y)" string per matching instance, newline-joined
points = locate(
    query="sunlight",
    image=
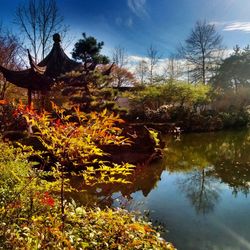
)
(241, 240)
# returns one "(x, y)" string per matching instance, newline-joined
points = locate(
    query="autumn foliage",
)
(34, 213)
(74, 141)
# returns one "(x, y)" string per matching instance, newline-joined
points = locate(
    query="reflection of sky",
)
(226, 227)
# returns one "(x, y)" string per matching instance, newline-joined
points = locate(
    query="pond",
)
(199, 192)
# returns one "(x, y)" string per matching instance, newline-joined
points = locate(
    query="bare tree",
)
(120, 57)
(39, 19)
(202, 49)
(153, 55)
(11, 52)
(142, 70)
(199, 189)
(173, 68)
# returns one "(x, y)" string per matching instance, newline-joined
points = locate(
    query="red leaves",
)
(57, 122)
(46, 199)
(22, 109)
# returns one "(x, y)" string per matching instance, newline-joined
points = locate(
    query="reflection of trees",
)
(205, 159)
(235, 174)
(199, 187)
(144, 179)
(227, 152)
(204, 149)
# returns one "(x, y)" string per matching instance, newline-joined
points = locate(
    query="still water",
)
(199, 192)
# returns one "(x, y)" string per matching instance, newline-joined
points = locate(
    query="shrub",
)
(179, 94)
(75, 140)
(88, 229)
(175, 93)
(235, 118)
(7, 119)
(30, 214)
(21, 188)
(231, 101)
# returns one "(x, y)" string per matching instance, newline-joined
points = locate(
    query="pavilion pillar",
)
(29, 97)
(44, 98)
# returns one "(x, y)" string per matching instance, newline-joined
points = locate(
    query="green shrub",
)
(235, 118)
(176, 93)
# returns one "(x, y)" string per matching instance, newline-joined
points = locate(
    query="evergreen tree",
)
(234, 70)
(88, 49)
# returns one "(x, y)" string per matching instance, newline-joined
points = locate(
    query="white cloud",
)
(163, 66)
(232, 26)
(136, 59)
(238, 26)
(138, 7)
(227, 53)
(160, 68)
(218, 24)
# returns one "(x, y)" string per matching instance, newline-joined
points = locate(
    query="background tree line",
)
(199, 59)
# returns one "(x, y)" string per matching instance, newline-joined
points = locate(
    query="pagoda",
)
(42, 76)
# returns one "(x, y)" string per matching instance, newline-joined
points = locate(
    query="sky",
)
(136, 24)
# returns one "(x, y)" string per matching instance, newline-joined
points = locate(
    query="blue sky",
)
(135, 24)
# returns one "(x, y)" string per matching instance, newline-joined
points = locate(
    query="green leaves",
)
(171, 93)
(87, 49)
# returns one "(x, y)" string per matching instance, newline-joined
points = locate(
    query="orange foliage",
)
(3, 102)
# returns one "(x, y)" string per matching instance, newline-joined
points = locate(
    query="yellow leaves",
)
(141, 228)
(80, 115)
(104, 112)
(75, 140)
(170, 246)
(154, 136)
(148, 229)
(137, 227)
(15, 176)
(37, 218)
(105, 174)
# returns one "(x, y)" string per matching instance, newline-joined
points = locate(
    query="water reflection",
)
(198, 190)
(199, 187)
(214, 157)
(143, 179)
(204, 160)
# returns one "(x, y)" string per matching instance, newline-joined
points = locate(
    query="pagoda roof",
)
(57, 62)
(41, 76)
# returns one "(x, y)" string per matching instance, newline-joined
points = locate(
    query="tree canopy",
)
(234, 70)
(88, 49)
